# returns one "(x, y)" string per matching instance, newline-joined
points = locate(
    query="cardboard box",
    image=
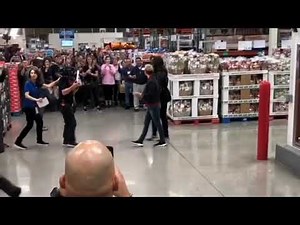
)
(245, 94)
(246, 80)
(245, 108)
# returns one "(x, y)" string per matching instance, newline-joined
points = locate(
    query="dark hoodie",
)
(162, 79)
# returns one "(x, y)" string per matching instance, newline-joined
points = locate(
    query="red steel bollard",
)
(263, 120)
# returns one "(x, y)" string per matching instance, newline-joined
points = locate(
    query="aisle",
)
(201, 160)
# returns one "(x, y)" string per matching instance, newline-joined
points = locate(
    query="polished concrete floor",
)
(204, 160)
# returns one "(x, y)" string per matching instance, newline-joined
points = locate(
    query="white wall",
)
(21, 40)
(90, 38)
(290, 128)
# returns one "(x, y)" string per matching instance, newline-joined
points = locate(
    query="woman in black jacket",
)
(161, 75)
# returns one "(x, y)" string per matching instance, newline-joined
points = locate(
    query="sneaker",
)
(20, 146)
(45, 128)
(42, 143)
(72, 145)
(98, 108)
(160, 144)
(138, 143)
(136, 109)
(127, 107)
(84, 109)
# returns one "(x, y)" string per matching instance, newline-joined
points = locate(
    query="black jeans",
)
(31, 116)
(91, 91)
(153, 113)
(70, 124)
(164, 120)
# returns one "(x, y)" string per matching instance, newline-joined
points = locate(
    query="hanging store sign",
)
(220, 45)
(245, 45)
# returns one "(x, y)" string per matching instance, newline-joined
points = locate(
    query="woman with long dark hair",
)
(91, 81)
(32, 92)
(161, 75)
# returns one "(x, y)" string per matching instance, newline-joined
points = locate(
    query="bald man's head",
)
(89, 171)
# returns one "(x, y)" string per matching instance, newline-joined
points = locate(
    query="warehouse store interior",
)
(231, 125)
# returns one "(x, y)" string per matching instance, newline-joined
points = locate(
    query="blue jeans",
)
(128, 91)
(153, 113)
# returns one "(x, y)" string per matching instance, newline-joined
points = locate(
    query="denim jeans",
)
(128, 91)
(153, 113)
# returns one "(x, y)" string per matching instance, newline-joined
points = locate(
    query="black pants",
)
(116, 93)
(108, 92)
(31, 116)
(164, 120)
(91, 92)
(153, 113)
(70, 124)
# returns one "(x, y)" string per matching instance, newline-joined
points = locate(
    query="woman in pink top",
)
(108, 72)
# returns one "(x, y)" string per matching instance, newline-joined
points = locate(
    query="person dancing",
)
(32, 91)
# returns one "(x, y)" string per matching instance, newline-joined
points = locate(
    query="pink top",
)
(108, 72)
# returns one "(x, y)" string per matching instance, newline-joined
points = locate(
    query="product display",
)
(281, 93)
(280, 107)
(186, 88)
(181, 108)
(206, 87)
(4, 110)
(205, 107)
(192, 63)
(283, 79)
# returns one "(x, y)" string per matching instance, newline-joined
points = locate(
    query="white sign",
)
(220, 45)
(259, 43)
(174, 37)
(286, 43)
(244, 45)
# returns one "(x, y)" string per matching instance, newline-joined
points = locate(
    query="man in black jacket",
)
(151, 97)
(139, 80)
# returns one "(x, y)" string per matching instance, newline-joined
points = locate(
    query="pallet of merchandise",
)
(194, 85)
(239, 117)
(280, 86)
(193, 110)
(240, 94)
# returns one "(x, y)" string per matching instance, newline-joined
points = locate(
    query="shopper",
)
(108, 72)
(161, 75)
(126, 72)
(151, 97)
(117, 80)
(32, 91)
(90, 172)
(67, 89)
(139, 80)
(91, 80)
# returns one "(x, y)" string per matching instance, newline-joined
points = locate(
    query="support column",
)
(273, 39)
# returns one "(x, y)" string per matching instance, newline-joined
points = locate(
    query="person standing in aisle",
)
(126, 78)
(161, 75)
(151, 97)
(67, 89)
(91, 80)
(32, 96)
(108, 72)
(139, 80)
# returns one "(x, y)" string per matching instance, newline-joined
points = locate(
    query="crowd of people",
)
(103, 80)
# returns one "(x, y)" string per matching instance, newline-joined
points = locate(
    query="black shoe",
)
(127, 107)
(136, 109)
(160, 144)
(84, 109)
(20, 146)
(98, 108)
(9, 188)
(138, 143)
(42, 143)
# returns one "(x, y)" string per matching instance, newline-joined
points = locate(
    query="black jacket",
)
(162, 79)
(141, 78)
(151, 93)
